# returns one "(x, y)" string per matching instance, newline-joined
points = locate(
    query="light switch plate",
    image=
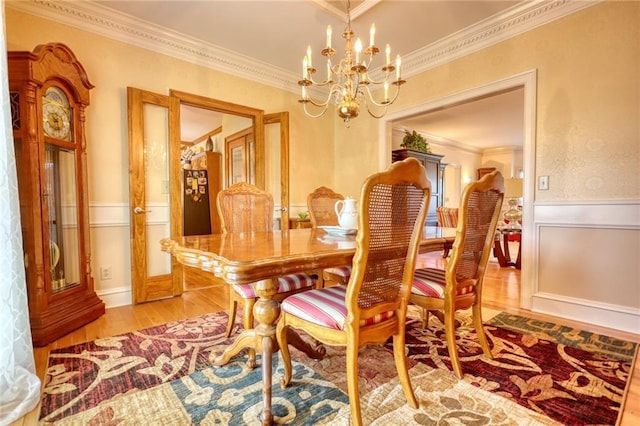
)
(543, 183)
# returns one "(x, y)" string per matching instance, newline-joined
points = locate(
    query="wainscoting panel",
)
(588, 263)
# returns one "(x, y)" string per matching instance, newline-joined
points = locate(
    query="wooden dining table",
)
(261, 258)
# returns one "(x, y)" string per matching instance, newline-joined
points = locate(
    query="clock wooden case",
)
(49, 92)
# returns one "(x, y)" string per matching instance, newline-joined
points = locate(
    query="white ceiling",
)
(275, 34)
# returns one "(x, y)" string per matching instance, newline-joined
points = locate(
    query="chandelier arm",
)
(320, 114)
(376, 116)
(371, 113)
(385, 103)
(384, 80)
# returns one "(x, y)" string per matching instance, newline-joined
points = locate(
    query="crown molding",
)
(522, 17)
(97, 19)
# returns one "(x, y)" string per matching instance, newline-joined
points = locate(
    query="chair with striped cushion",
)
(321, 205)
(245, 208)
(448, 218)
(459, 285)
(373, 305)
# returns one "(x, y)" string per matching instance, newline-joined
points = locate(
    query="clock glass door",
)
(61, 200)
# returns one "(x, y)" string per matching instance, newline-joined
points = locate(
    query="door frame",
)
(528, 81)
(282, 118)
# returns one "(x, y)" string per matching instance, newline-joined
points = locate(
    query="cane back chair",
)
(321, 205)
(459, 285)
(373, 305)
(245, 208)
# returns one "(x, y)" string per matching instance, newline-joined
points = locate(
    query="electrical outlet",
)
(543, 183)
(105, 273)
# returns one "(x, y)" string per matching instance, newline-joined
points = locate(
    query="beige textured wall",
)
(112, 66)
(588, 102)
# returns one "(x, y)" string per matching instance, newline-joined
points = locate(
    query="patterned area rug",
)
(541, 373)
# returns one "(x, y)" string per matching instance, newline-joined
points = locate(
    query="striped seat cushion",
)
(341, 271)
(447, 216)
(325, 307)
(430, 282)
(285, 284)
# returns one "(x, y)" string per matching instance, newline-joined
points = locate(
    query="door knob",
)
(139, 210)
(283, 209)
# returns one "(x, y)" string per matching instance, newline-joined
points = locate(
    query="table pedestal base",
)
(263, 339)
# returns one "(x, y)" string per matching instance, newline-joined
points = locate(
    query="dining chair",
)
(448, 218)
(372, 306)
(321, 205)
(246, 208)
(458, 285)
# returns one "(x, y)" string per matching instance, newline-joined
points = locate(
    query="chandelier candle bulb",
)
(309, 57)
(388, 51)
(398, 67)
(329, 36)
(372, 34)
(386, 91)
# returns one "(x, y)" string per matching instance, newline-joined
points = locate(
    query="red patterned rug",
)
(541, 373)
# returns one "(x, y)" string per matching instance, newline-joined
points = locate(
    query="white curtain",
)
(19, 385)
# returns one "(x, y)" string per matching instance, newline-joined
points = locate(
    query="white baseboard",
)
(114, 297)
(605, 315)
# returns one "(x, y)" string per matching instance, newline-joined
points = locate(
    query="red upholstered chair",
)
(321, 205)
(245, 208)
(372, 307)
(459, 285)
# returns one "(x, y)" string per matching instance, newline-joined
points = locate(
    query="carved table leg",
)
(266, 311)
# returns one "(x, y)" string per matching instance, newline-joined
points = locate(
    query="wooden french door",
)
(155, 180)
(154, 191)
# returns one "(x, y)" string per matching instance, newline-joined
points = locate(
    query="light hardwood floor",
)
(501, 292)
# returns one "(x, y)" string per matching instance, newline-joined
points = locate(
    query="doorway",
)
(527, 81)
(154, 274)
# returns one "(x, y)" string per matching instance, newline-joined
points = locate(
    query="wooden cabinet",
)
(49, 91)
(435, 172)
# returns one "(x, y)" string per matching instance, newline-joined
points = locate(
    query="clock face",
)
(56, 114)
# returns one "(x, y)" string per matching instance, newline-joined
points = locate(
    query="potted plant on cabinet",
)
(415, 141)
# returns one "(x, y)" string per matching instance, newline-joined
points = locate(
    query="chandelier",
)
(349, 83)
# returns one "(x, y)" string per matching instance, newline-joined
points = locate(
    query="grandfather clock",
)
(49, 91)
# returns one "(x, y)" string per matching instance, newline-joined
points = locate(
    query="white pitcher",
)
(347, 213)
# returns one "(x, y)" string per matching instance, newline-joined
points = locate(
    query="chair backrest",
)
(321, 204)
(478, 214)
(447, 216)
(391, 213)
(245, 208)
